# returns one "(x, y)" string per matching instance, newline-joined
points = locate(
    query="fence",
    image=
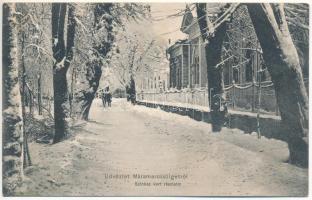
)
(188, 97)
(243, 97)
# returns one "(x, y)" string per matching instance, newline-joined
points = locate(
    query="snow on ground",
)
(206, 109)
(127, 140)
(174, 118)
(179, 104)
(275, 148)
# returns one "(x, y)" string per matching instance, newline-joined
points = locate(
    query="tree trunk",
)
(71, 96)
(132, 90)
(31, 102)
(85, 107)
(22, 75)
(127, 88)
(60, 97)
(84, 97)
(282, 61)
(213, 49)
(39, 95)
(59, 72)
(12, 161)
(63, 56)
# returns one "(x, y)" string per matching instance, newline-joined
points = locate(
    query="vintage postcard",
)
(155, 99)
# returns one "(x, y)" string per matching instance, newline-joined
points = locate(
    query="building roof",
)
(187, 19)
(176, 44)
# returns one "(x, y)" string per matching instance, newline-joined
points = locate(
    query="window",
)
(235, 74)
(172, 73)
(178, 78)
(196, 65)
(248, 70)
(179, 72)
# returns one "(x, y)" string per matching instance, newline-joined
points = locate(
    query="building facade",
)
(188, 67)
(187, 57)
(242, 65)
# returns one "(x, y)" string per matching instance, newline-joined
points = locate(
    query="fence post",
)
(210, 97)
(259, 105)
(164, 98)
(253, 96)
(206, 97)
(276, 108)
(154, 99)
(233, 94)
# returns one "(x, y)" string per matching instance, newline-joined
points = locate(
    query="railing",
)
(243, 97)
(190, 97)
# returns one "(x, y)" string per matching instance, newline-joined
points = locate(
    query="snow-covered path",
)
(125, 140)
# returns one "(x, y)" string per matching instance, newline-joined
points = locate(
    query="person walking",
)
(103, 97)
(108, 96)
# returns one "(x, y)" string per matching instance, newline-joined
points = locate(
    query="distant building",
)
(155, 80)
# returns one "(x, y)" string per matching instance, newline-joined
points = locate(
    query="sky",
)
(155, 29)
(172, 25)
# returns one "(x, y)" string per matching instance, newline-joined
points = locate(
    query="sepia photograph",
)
(154, 99)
